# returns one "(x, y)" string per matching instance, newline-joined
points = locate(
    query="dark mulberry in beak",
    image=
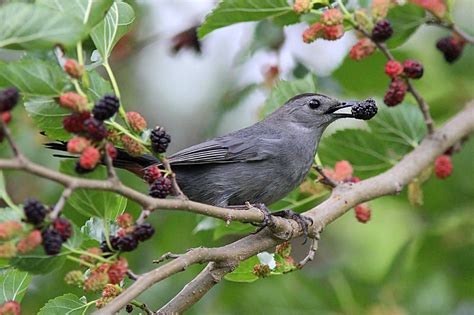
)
(359, 109)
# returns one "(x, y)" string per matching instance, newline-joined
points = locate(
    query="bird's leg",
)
(303, 221)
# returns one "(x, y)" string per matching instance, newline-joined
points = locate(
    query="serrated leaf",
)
(102, 204)
(117, 22)
(392, 134)
(69, 304)
(98, 86)
(405, 20)
(13, 284)
(37, 262)
(48, 117)
(284, 90)
(33, 77)
(89, 12)
(244, 272)
(229, 12)
(30, 26)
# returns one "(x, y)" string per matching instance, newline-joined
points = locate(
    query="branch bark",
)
(343, 198)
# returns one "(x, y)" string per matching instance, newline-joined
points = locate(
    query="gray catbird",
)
(259, 164)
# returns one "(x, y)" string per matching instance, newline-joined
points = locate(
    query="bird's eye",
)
(313, 104)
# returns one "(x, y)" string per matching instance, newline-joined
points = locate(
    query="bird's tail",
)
(134, 164)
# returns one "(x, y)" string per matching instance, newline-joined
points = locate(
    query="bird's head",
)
(317, 111)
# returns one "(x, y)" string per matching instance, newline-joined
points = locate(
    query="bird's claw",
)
(267, 220)
(303, 222)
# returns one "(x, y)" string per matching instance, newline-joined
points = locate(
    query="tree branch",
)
(343, 198)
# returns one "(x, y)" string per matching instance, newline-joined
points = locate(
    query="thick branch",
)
(343, 198)
(147, 202)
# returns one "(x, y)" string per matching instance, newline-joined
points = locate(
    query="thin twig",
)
(452, 27)
(179, 193)
(326, 180)
(143, 215)
(310, 256)
(61, 202)
(131, 275)
(112, 175)
(142, 306)
(7, 134)
(166, 256)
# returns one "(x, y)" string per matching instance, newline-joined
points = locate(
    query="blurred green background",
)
(406, 260)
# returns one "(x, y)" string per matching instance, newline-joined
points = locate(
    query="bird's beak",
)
(339, 106)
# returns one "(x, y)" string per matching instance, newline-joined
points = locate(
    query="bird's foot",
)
(267, 220)
(303, 222)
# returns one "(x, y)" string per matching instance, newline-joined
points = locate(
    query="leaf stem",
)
(125, 131)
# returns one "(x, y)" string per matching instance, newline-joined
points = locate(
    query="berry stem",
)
(78, 88)
(81, 252)
(176, 188)
(125, 131)
(80, 261)
(80, 59)
(111, 75)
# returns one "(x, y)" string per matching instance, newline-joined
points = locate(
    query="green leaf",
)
(98, 86)
(392, 133)
(405, 20)
(102, 204)
(33, 77)
(48, 117)
(89, 12)
(37, 262)
(76, 238)
(94, 228)
(117, 22)
(266, 35)
(29, 26)
(284, 90)
(229, 12)
(68, 303)
(244, 272)
(14, 284)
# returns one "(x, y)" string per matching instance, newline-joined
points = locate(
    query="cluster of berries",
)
(89, 128)
(160, 186)
(398, 72)
(343, 172)
(128, 236)
(8, 99)
(21, 238)
(104, 277)
(10, 308)
(365, 47)
(329, 27)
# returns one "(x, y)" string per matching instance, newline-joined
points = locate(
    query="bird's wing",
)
(227, 149)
